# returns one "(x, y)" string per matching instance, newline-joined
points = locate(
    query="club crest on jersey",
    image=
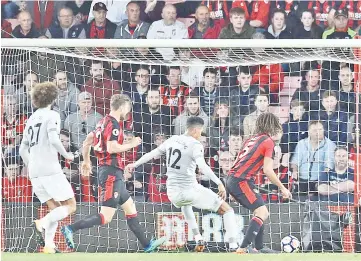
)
(116, 194)
(115, 132)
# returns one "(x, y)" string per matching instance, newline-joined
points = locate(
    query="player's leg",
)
(243, 192)
(131, 215)
(207, 199)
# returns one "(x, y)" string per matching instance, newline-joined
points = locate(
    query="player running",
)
(39, 150)
(257, 152)
(184, 153)
(107, 142)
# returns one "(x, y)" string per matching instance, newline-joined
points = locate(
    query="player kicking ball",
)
(107, 141)
(39, 150)
(184, 153)
(257, 152)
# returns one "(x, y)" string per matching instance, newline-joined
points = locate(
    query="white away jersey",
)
(43, 157)
(182, 152)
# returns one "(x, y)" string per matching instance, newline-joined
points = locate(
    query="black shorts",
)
(114, 192)
(243, 191)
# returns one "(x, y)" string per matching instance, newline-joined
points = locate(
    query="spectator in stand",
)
(190, 74)
(340, 30)
(100, 27)
(150, 117)
(335, 122)
(167, 28)
(45, 65)
(308, 28)
(12, 124)
(278, 29)
(210, 91)
(113, 69)
(136, 180)
(23, 97)
(256, 11)
(101, 87)
(117, 10)
(66, 27)
(211, 157)
(43, 12)
(235, 141)
(132, 27)
(321, 8)
(10, 9)
(220, 124)
(71, 169)
(192, 108)
(296, 128)
(80, 10)
(346, 90)
(157, 188)
(174, 93)
(66, 102)
(338, 184)
(26, 27)
(292, 9)
(15, 188)
(226, 161)
(238, 27)
(84, 120)
(354, 9)
(243, 96)
(205, 27)
(261, 103)
(310, 92)
(312, 156)
(137, 90)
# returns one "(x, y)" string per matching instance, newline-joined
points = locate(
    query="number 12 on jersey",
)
(173, 158)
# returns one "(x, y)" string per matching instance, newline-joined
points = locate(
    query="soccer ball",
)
(290, 244)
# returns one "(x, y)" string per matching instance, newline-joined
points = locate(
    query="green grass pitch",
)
(179, 257)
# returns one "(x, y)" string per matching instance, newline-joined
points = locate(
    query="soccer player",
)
(257, 152)
(183, 154)
(39, 150)
(107, 141)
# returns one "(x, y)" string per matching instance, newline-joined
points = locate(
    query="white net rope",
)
(284, 74)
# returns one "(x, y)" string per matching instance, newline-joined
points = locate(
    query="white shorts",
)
(55, 187)
(196, 196)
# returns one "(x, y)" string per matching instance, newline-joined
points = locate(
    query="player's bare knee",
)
(261, 212)
(225, 207)
(129, 207)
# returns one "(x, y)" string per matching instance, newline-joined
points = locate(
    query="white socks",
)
(55, 215)
(50, 234)
(229, 220)
(191, 220)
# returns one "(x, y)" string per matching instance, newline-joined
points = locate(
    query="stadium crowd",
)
(314, 100)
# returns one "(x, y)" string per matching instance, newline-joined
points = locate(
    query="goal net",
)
(313, 87)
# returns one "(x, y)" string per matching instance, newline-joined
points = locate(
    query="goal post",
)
(226, 77)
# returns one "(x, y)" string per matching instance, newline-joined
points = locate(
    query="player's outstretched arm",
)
(144, 159)
(24, 151)
(269, 172)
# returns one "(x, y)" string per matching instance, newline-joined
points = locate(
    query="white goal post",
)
(280, 68)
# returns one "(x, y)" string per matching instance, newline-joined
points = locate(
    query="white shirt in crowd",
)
(158, 30)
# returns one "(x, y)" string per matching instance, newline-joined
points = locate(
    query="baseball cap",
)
(83, 96)
(342, 12)
(100, 6)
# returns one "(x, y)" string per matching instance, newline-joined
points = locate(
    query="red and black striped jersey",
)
(108, 129)
(250, 159)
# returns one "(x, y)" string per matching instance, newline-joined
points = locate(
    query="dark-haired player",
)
(39, 150)
(257, 152)
(184, 153)
(107, 142)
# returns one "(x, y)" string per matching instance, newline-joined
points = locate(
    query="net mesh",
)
(221, 85)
